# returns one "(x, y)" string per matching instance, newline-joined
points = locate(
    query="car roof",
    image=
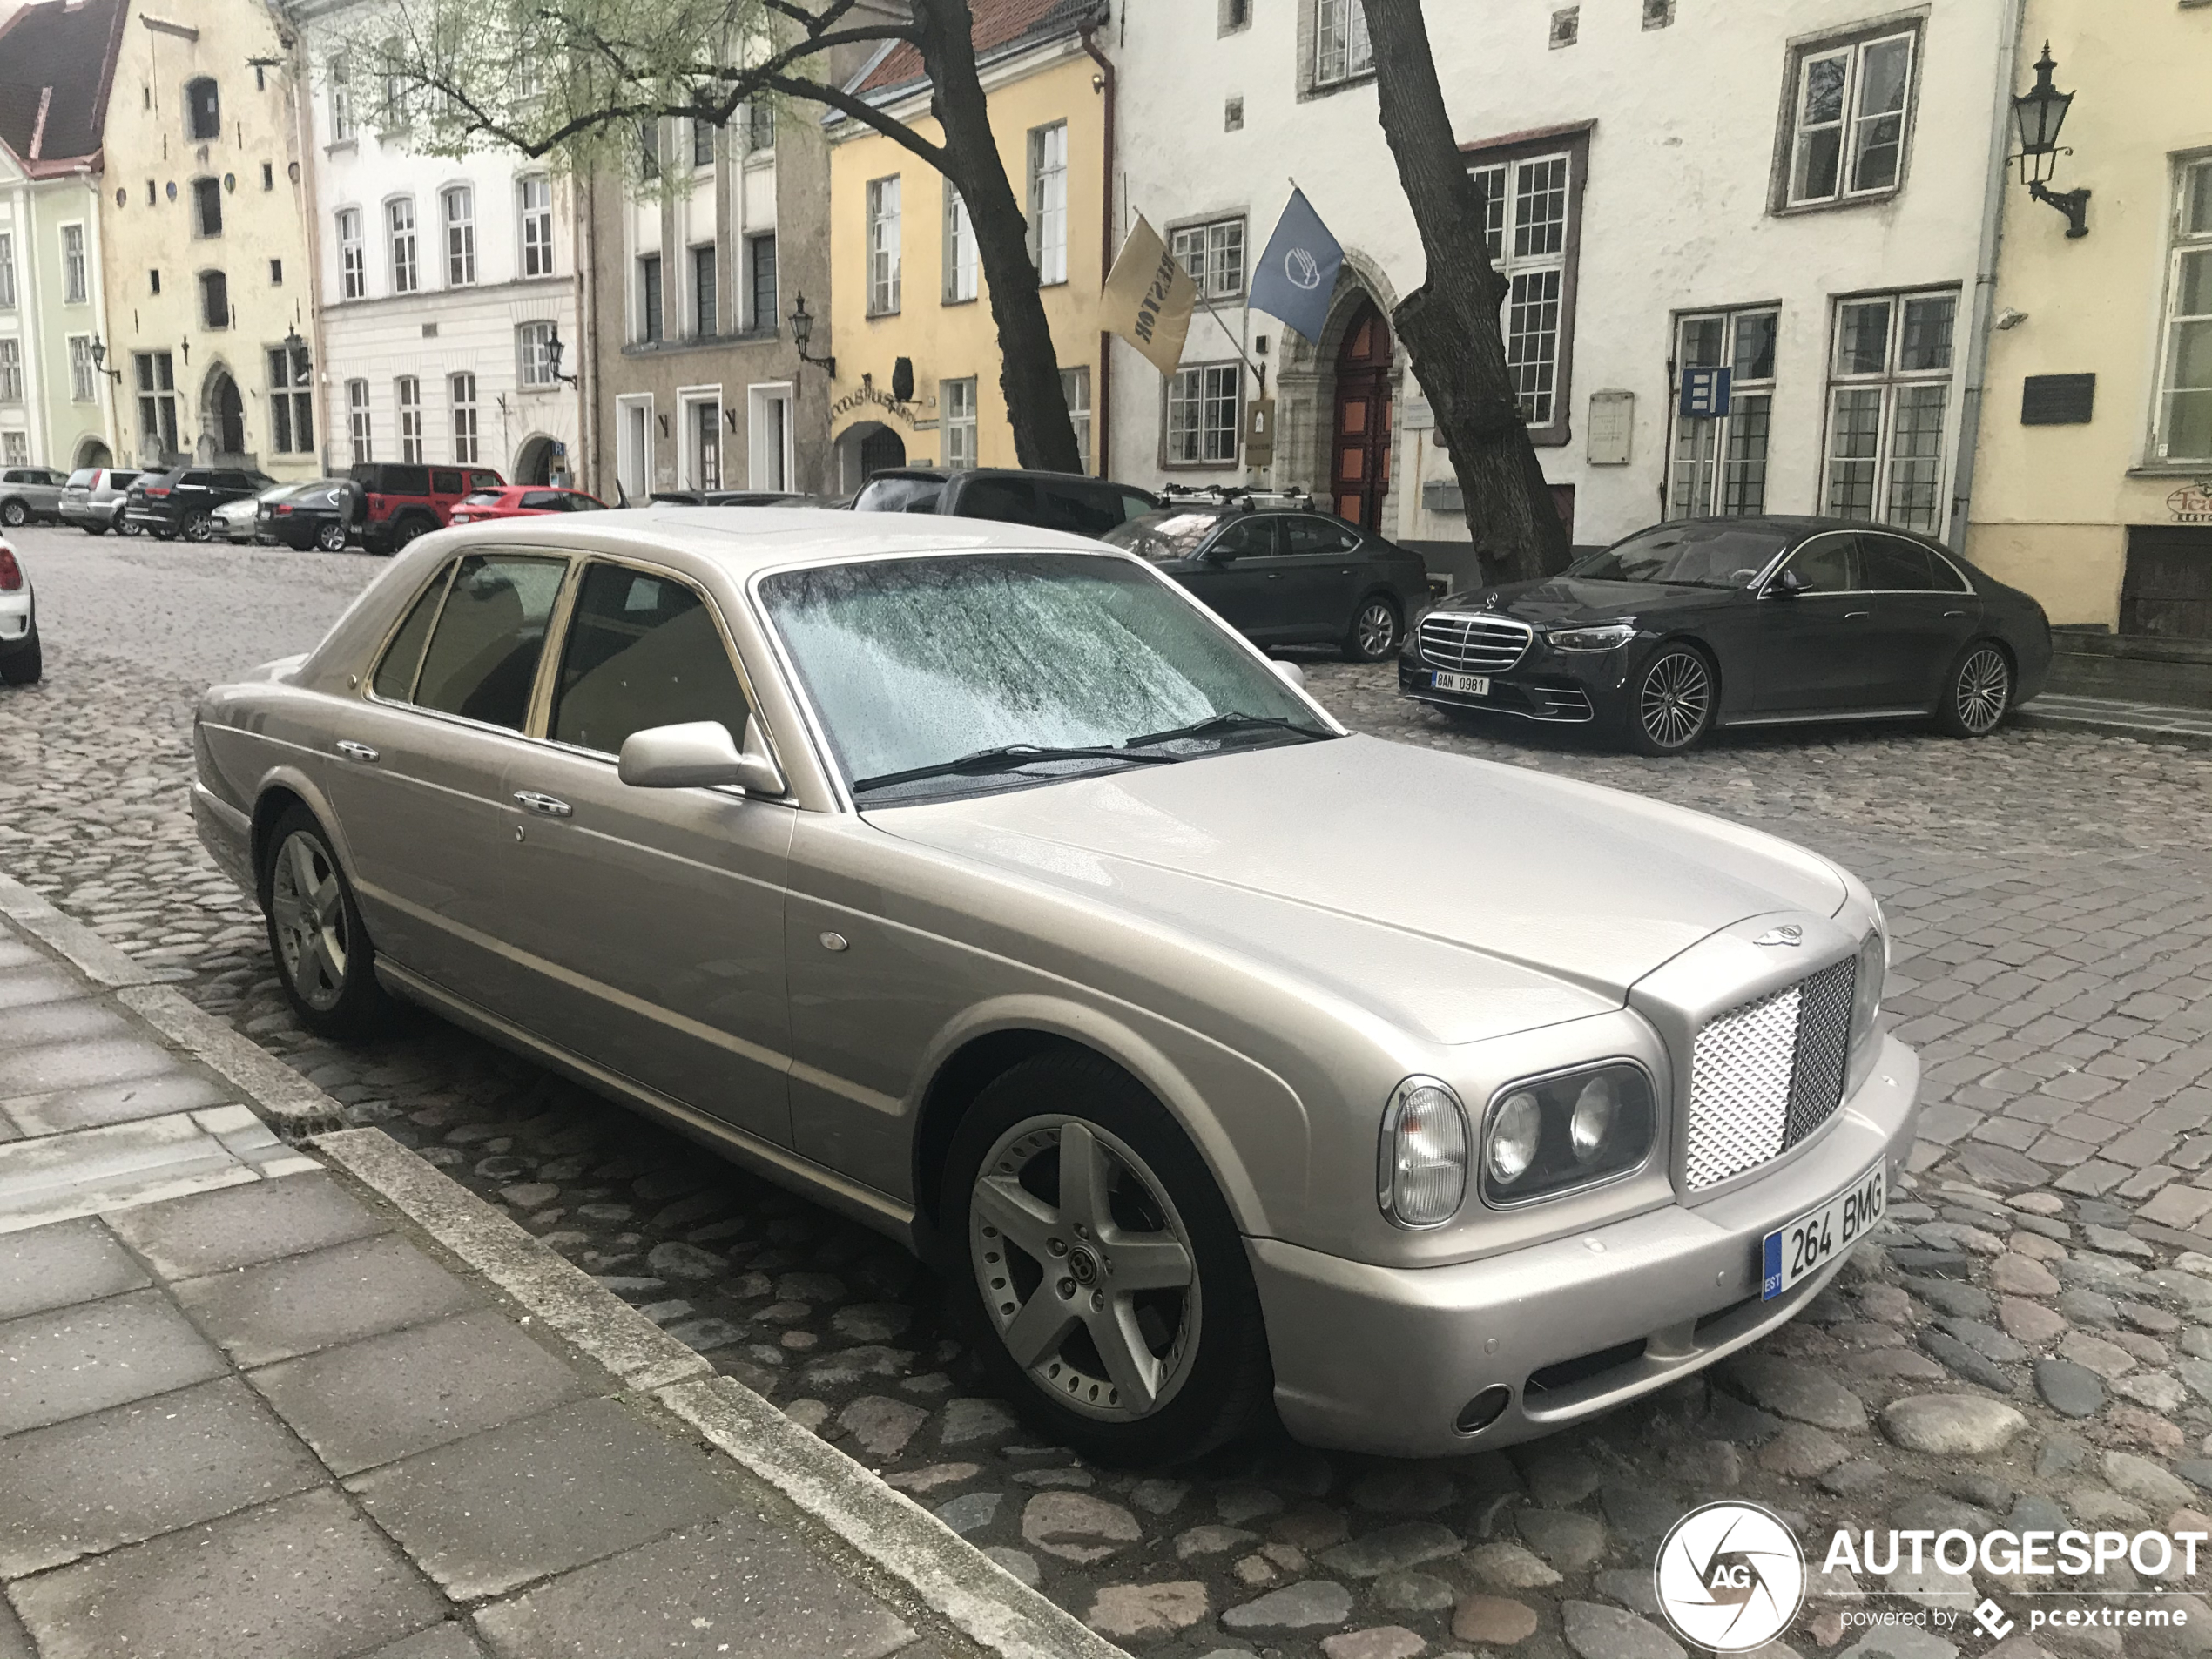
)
(940, 474)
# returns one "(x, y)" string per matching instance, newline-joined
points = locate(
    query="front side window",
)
(1848, 113)
(77, 286)
(1074, 388)
(653, 323)
(83, 379)
(957, 401)
(1685, 555)
(353, 265)
(2182, 427)
(215, 300)
(1341, 47)
(357, 421)
(292, 402)
(407, 398)
(399, 226)
(883, 246)
(462, 390)
(960, 248)
(460, 212)
(1889, 400)
(642, 651)
(482, 654)
(203, 110)
(1719, 463)
(535, 197)
(1205, 407)
(1214, 255)
(534, 354)
(1048, 202)
(1526, 209)
(11, 371)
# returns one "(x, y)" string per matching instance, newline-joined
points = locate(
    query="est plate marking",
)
(1471, 685)
(1816, 1237)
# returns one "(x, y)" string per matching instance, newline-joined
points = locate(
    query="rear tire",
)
(331, 538)
(1671, 702)
(1977, 692)
(28, 665)
(324, 959)
(200, 528)
(13, 514)
(1377, 631)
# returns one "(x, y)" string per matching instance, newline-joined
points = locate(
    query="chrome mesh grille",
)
(1765, 1075)
(1481, 642)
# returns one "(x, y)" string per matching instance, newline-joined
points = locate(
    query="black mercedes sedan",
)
(1283, 573)
(1736, 622)
(321, 515)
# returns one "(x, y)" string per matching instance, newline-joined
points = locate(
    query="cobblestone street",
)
(2051, 898)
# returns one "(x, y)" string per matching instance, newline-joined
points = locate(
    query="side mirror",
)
(1290, 673)
(1788, 585)
(697, 754)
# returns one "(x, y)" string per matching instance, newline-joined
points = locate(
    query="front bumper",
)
(1558, 687)
(227, 834)
(18, 622)
(1382, 1359)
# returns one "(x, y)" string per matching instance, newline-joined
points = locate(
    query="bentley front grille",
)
(1766, 1075)
(1479, 642)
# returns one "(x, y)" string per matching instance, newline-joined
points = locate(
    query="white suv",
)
(20, 664)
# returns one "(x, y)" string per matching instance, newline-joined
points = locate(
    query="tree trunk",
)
(1450, 323)
(1028, 365)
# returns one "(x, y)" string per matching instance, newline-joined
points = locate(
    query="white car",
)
(19, 657)
(240, 520)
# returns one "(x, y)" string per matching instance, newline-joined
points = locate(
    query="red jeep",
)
(400, 501)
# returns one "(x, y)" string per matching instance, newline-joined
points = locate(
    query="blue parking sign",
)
(1704, 392)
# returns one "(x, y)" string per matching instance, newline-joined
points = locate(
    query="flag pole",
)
(1258, 373)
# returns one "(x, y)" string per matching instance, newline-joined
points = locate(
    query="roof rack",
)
(1243, 498)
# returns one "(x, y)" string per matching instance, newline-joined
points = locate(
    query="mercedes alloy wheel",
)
(1673, 706)
(1977, 692)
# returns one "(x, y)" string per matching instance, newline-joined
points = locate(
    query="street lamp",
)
(295, 353)
(553, 350)
(99, 360)
(2039, 114)
(802, 331)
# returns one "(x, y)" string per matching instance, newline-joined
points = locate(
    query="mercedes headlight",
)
(1423, 1164)
(1605, 636)
(1572, 1129)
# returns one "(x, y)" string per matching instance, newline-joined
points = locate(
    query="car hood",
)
(1567, 599)
(1458, 898)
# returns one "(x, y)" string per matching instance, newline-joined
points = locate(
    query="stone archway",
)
(1305, 380)
(534, 462)
(864, 449)
(222, 419)
(92, 452)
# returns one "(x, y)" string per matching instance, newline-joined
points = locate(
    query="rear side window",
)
(1246, 538)
(402, 481)
(446, 484)
(483, 655)
(82, 478)
(642, 651)
(1082, 509)
(484, 481)
(899, 495)
(394, 679)
(1317, 535)
(1012, 501)
(550, 501)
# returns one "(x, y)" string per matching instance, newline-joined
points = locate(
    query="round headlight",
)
(1424, 1154)
(1513, 1135)
(1594, 1108)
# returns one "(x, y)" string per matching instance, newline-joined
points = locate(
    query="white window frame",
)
(1048, 151)
(15, 448)
(1900, 392)
(689, 456)
(883, 246)
(7, 270)
(1213, 252)
(1193, 398)
(360, 433)
(1719, 467)
(534, 202)
(1342, 49)
(1851, 123)
(76, 273)
(352, 259)
(771, 450)
(461, 400)
(1075, 391)
(460, 234)
(340, 91)
(401, 245)
(407, 400)
(10, 370)
(957, 418)
(2191, 235)
(83, 383)
(534, 356)
(292, 393)
(154, 374)
(1533, 252)
(961, 284)
(634, 443)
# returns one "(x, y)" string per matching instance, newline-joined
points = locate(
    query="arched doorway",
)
(92, 452)
(534, 462)
(1360, 451)
(222, 419)
(865, 449)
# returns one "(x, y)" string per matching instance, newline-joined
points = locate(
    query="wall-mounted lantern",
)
(802, 333)
(2039, 114)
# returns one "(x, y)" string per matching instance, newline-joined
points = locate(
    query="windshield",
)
(1162, 536)
(916, 662)
(1698, 554)
(899, 495)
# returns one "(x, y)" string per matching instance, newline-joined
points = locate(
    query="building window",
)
(759, 125)
(1075, 387)
(1214, 255)
(7, 271)
(11, 371)
(15, 448)
(536, 196)
(357, 420)
(1341, 49)
(207, 207)
(956, 402)
(1205, 407)
(534, 354)
(203, 109)
(702, 142)
(1847, 113)
(82, 382)
(634, 446)
(960, 248)
(156, 380)
(703, 317)
(353, 266)
(276, 273)
(1048, 202)
(342, 102)
(648, 149)
(75, 275)
(1888, 397)
(268, 175)
(762, 250)
(649, 299)
(1719, 466)
(707, 444)
(463, 388)
(407, 397)
(883, 245)
(399, 225)
(459, 204)
(153, 282)
(215, 300)
(1527, 208)
(2183, 426)
(292, 403)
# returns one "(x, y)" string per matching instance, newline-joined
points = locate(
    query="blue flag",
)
(1298, 273)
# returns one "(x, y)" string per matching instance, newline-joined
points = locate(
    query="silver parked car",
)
(93, 499)
(979, 882)
(29, 492)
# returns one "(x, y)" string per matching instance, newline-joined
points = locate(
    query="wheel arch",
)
(280, 790)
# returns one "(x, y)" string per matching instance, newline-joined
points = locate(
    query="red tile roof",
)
(997, 23)
(57, 62)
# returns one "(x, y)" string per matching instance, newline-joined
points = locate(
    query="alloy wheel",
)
(331, 538)
(309, 907)
(1984, 687)
(1376, 629)
(200, 528)
(1086, 1268)
(13, 514)
(1677, 699)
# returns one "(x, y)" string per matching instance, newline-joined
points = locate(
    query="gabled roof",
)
(56, 64)
(1000, 26)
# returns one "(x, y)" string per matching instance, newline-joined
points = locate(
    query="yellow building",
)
(906, 286)
(2092, 483)
(204, 240)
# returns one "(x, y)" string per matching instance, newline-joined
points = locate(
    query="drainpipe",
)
(1992, 235)
(586, 188)
(1101, 402)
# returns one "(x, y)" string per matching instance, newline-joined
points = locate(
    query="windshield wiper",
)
(1010, 757)
(1220, 725)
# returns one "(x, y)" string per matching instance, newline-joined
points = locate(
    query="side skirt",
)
(1825, 717)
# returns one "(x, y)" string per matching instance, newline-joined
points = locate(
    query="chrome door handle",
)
(1954, 613)
(354, 750)
(545, 805)
(1849, 615)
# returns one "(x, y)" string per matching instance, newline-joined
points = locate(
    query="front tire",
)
(1977, 692)
(323, 955)
(1376, 632)
(200, 528)
(13, 514)
(1101, 1278)
(1671, 702)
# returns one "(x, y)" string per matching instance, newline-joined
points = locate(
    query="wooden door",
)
(1359, 465)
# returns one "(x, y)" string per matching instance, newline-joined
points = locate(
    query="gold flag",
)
(1148, 298)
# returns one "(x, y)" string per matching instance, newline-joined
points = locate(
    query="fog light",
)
(1483, 1410)
(1594, 1108)
(1513, 1137)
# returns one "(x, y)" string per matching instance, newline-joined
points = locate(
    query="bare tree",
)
(1450, 323)
(577, 79)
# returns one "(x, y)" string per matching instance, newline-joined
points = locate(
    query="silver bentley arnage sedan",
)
(979, 882)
